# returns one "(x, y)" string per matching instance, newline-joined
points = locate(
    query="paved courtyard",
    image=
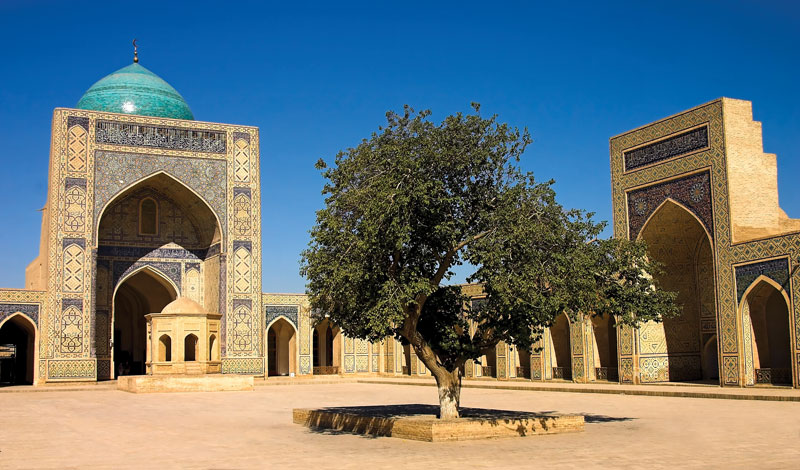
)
(229, 430)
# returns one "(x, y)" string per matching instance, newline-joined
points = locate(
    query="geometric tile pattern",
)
(71, 330)
(73, 268)
(242, 262)
(241, 214)
(290, 312)
(76, 148)
(71, 369)
(241, 157)
(114, 171)
(775, 269)
(693, 191)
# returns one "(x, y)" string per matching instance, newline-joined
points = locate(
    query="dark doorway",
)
(17, 350)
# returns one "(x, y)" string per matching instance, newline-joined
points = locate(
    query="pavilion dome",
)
(135, 90)
(183, 305)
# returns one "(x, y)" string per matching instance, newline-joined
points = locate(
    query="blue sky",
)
(317, 78)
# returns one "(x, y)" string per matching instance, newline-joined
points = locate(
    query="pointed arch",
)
(764, 313)
(141, 182)
(144, 290)
(281, 347)
(31, 346)
(771, 282)
(560, 345)
(661, 206)
(156, 274)
(673, 350)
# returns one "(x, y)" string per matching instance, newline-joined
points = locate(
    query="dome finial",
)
(135, 53)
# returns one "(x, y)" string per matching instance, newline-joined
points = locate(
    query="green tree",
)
(416, 199)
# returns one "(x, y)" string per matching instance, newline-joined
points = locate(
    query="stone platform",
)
(185, 383)
(420, 422)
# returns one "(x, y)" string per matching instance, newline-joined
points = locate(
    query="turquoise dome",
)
(135, 90)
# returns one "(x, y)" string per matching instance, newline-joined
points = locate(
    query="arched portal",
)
(327, 348)
(560, 349)
(766, 306)
(145, 291)
(604, 334)
(17, 350)
(672, 350)
(281, 348)
(161, 224)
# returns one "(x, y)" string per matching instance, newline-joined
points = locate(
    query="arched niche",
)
(604, 335)
(19, 344)
(765, 323)
(190, 348)
(672, 350)
(165, 348)
(560, 348)
(327, 348)
(281, 347)
(143, 291)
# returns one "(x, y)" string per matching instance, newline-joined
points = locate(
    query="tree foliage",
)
(416, 199)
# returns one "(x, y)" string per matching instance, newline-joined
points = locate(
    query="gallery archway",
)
(765, 316)
(145, 291)
(560, 349)
(523, 362)
(489, 362)
(281, 348)
(604, 334)
(327, 348)
(17, 338)
(678, 241)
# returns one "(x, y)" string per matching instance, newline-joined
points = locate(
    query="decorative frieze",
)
(693, 191)
(172, 138)
(683, 143)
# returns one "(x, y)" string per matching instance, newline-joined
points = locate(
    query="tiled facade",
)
(103, 165)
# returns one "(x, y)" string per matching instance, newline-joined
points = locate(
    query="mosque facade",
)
(150, 259)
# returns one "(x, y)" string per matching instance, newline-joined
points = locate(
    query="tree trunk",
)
(449, 385)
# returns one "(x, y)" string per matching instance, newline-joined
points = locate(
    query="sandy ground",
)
(229, 430)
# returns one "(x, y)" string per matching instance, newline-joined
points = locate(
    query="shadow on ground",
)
(376, 421)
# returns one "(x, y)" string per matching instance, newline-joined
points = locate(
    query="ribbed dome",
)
(183, 305)
(135, 90)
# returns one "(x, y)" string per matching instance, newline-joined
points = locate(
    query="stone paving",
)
(105, 428)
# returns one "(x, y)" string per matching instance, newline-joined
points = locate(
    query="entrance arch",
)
(327, 348)
(673, 349)
(18, 336)
(160, 224)
(560, 349)
(144, 291)
(604, 334)
(281, 348)
(765, 321)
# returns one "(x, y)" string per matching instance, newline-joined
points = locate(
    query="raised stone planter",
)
(419, 422)
(185, 383)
